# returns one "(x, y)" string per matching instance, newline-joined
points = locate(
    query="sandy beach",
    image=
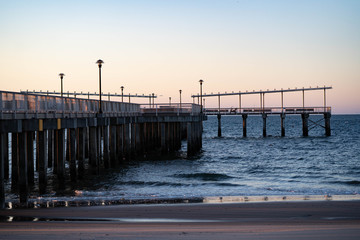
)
(267, 220)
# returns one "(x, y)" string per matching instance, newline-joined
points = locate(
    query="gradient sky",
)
(163, 46)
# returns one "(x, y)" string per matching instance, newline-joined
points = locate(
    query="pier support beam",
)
(244, 117)
(43, 161)
(72, 155)
(93, 147)
(3, 146)
(81, 146)
(164, 147)
(219, 125)
(23, 178)
(6, 155)
(327, 117)
(14, 162)
(106, 146)
(305, 124)
(282, 118)
(113, 150)
(50, 148)
(60, 158)
(190, 139)
(30, 156)
(264, 116)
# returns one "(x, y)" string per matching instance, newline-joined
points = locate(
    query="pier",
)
(263, 110)
(65, 133)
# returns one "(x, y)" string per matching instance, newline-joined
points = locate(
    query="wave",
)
(205, 176)
(351, 183)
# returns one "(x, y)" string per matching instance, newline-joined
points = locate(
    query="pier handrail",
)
(14, 105)
(267, 110)
(173, 108)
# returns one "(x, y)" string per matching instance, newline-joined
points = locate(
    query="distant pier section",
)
(264, 111)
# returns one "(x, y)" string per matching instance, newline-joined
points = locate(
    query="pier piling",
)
(219, 125)
(305, 124)
(244, 117)
(282, 118)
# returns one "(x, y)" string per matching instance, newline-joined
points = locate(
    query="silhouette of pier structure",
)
(65, 134)
(264, 111)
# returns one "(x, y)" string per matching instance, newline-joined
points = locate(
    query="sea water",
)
(232, 165)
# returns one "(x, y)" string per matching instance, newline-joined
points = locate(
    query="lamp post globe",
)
(99, 63)
(61, 78)
(122, 93)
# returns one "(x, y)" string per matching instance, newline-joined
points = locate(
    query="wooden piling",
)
(43, 161)
(327, 117)
(264, 117)
(6, 156)
(106, 147)
(219, 125)
(30, 157)
(305, 124)
(22, 169)
(119, 143)
(282, 118)
(113, 150)
(50, 147)
(72, 155)
(81, 146)
(126, 141)
(163, 138)
(14, 162)
(93, 147)
(244, 117)
(3, 146)
(60, 158)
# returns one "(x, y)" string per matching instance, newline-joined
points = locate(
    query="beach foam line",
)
(240, 199)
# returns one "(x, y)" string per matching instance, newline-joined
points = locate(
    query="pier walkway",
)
(67, 134)
(282, 111)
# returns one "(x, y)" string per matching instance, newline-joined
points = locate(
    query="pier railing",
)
(168, 109)
(267, 110)
(25, 106)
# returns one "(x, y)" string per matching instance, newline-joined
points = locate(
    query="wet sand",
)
(267, 220)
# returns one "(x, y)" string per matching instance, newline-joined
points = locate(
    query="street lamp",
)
(170, 101)
(99, 63)
(153, 98)
(201, 82)
(180, 91)
(122, 93)
(61, 77)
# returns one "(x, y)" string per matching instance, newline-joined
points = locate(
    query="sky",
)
(162, 46)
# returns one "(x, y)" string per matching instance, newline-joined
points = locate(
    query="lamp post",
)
(153, 98)
(201, 82)
(99, 63)
(122, 93)
(180, 91)
(61, 77)
(170, 101)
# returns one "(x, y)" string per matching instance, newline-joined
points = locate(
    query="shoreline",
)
(41, 203)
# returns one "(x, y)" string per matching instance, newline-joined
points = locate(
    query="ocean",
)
(236, 166)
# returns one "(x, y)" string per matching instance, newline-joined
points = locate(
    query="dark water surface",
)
(237, 166)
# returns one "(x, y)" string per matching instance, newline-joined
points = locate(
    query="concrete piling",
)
(81, 146)
(60, 158)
